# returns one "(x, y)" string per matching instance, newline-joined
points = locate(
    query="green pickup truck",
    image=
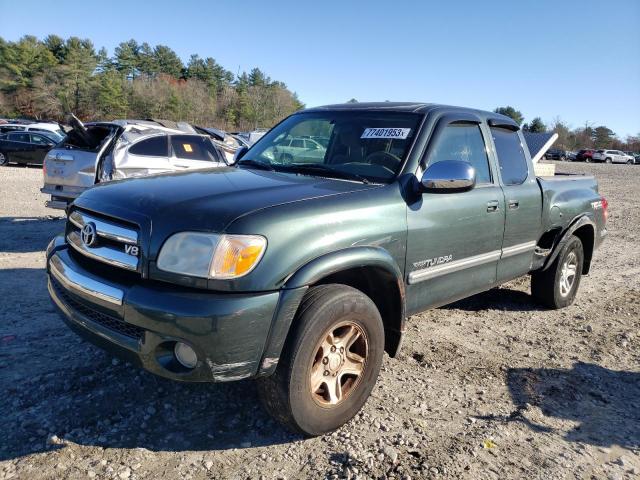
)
(301, 274)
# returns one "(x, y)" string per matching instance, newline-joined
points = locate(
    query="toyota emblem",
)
(88, 234)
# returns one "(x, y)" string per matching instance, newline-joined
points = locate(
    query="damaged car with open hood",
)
(103, 151)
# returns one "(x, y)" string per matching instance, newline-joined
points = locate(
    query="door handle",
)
(492, 206)
(513, 204)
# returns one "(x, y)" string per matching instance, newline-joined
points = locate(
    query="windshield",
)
(358, 145)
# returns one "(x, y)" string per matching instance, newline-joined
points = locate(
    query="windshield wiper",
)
(256, 163)
(321, 168)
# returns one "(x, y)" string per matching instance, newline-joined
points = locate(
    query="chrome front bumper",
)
(83, 285)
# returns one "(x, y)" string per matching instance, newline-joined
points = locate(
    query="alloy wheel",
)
(568, 274)
(339, 364)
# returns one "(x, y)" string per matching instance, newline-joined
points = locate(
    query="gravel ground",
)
(489, 387)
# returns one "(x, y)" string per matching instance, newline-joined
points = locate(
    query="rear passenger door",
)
(40, 145)
(454, 239)
(523, 200)
(147, 156)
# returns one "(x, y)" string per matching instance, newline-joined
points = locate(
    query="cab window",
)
(463, 141)
(511, 158)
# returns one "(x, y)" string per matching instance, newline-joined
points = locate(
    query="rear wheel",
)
(329, 365)
(607, 160)
(3, 159)
(563, 158)
(556, 287)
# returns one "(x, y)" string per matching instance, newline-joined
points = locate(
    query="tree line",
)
(46, 79)
(586, 136)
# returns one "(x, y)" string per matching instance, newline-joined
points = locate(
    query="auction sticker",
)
(386, 133)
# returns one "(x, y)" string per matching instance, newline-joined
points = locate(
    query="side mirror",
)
(239, 153)
(448, 176)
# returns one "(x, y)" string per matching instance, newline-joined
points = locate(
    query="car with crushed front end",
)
(302, 274)
(99, 152)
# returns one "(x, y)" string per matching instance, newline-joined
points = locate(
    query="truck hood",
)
(205, 200)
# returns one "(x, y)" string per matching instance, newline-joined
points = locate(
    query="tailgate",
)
(73, 168)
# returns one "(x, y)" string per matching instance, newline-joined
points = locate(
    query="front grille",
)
(108, 321)
(108, 241)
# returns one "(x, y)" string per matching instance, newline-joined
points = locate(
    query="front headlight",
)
(211, 256)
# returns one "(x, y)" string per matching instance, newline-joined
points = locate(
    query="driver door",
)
(454, 239)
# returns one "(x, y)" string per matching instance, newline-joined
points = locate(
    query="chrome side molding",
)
(432, 272)
(518, 249)
(455, 266)
(83, 285)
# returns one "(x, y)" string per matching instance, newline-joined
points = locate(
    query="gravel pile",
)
(489, 387)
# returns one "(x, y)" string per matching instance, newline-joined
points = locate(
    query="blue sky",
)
(579, 60)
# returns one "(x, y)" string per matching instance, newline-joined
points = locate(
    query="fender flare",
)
(297, 284)
(345, 259)
(564, 238)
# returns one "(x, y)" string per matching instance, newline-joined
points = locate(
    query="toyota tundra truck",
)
(302, 271)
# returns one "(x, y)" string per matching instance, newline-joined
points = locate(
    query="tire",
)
(286, 159)
(587, 160)
(629, 162)
(563, 158)
(3, 159)
(607, 160)
(549, 286)
(288, 394)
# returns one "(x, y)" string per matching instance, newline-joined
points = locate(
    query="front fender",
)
(335, 262)
(297, 284)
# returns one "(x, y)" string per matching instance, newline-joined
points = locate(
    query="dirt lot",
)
(490, 387)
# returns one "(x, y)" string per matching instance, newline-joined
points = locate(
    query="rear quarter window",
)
(193, 147)
(511, 157)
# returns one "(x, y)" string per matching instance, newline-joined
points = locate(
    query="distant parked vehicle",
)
(32, 127)
(635, 155)
(104, 151)
(612, 156)
(301, 148)
(585, 155)
(27, 148)
(556, 154)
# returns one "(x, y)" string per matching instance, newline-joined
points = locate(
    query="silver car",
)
(104, 151)
(612, 156)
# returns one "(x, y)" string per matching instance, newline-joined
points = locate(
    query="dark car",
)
(26, 147)
(556, 154)
(585, 155)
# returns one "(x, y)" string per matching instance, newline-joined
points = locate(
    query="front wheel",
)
(330, 362)
(607, 160)
(563, 158)
(556, 287)
(3, 159)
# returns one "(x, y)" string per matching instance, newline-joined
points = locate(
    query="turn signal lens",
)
(237, 255)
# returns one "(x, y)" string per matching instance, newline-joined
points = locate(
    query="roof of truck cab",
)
(410, 107)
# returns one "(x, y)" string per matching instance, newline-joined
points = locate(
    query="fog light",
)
(185, 355)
